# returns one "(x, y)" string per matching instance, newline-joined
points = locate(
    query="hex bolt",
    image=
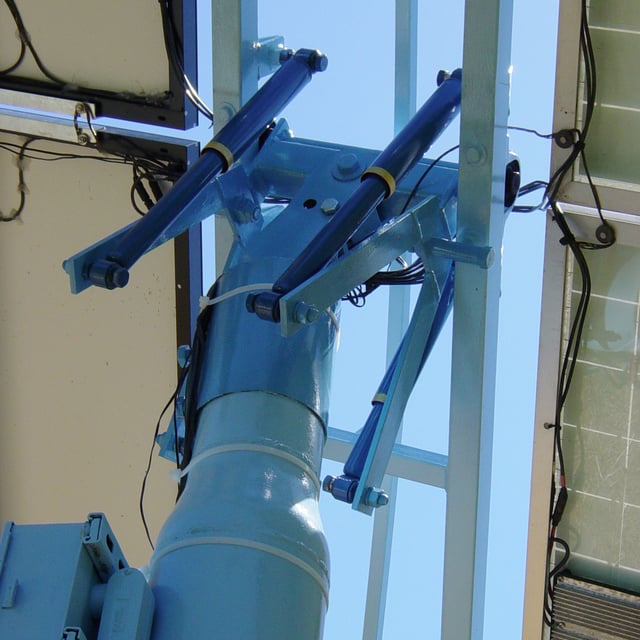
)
(305, 313)
(376, 498)
(329, 206)
(348, 162)
(475, 155)
(327, 484)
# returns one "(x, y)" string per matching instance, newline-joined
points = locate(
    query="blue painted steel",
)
(344, 487)
(401, 154)
(484, 154)
(368, 257)
(109, 265)
(55, 577)
(127, 611)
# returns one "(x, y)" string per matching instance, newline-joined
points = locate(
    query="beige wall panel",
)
(116, 45)
(82, 378)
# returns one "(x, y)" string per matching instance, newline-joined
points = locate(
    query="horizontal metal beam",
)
(409, 463)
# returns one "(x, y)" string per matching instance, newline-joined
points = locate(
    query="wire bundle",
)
(147, 171)
(576, 139)
(176, 59)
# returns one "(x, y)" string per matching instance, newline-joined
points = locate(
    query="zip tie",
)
(207, 302)
(223, 151)
(381, 172)
(178, 474)
(380, 398)
(336, 324)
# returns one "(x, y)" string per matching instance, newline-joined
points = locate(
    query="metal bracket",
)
(102, 546)
(47, 117)
(271, 51)
(369, 256)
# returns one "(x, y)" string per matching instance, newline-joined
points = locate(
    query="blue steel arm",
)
(364, 452)
(107, 263)
(378, 183)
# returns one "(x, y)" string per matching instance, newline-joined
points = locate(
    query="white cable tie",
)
(247, 288)
(336, 324)
(178, 474)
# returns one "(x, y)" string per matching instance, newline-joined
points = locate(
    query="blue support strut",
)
(378, 182)
(112, 269)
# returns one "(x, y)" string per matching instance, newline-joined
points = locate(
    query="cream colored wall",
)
(117, 46)
(82, 378)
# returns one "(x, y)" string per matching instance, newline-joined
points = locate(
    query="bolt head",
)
(305, 313)
(329, 206)
(376, 498)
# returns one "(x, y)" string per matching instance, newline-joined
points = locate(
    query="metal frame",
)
(466, 472)
(567, 95)
(174, 111)
(583, 221)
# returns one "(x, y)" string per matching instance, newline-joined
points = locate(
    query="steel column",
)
(406, 45)
(234, 26)
(484, 114)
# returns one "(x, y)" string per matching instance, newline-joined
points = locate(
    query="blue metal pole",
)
(243, 555)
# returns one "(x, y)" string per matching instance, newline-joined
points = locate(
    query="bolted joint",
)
(265, 305)
(375, 498)
(108, 274)
(316, 60)
(342, 488)
(305, 313)
(329, 206)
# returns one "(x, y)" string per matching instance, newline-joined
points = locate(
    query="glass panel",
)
(601, 424)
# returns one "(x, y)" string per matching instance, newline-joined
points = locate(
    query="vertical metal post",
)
(406, 44)
(483, 156)
(234, 25)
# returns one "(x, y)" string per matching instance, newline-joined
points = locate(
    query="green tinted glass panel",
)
(601, 423)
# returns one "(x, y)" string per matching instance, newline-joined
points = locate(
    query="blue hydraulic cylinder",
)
(343, 487)
(378, 181)
(112, 271)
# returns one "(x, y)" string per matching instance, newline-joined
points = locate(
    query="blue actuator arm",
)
(378, 182)
(367, 461)
(107, 264)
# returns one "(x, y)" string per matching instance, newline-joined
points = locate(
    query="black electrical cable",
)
(606, 237)
(173, 47)
(143, 487)
(531, 187)
(22, 187)
(144, 169)
(196, 358)
(7, 70)
(25, 38)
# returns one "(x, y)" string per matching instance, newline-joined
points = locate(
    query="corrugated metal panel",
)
(588, 611)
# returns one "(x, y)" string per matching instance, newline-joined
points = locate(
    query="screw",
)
(83, 139)
(305, 314)
(348, 163)
(329, 206)
(475, 155)
(376, 498)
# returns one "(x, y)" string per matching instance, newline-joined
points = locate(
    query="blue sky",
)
(352, 102)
